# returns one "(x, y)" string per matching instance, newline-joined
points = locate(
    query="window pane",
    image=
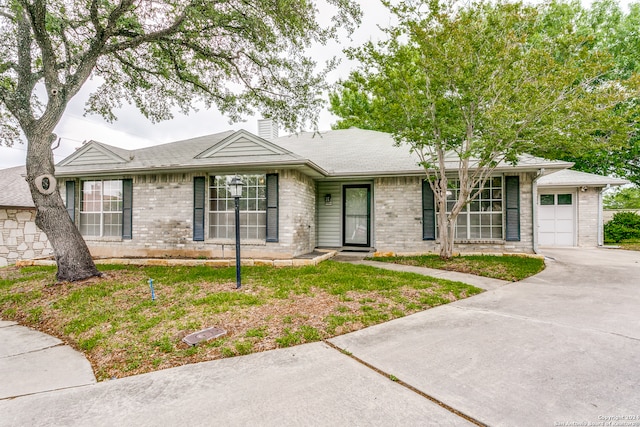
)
(112, 224)
(101, 208)
(547, 199)
(90, 224)
(496, 232)
(482, 217)
(252, 205)
(564, 199)
(91, 196)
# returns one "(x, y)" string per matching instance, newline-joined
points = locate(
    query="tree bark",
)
(71, 253)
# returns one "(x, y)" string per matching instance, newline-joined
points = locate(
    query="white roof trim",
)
(243, 134)
(91, 146)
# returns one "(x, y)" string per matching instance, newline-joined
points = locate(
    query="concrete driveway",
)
(560, 348)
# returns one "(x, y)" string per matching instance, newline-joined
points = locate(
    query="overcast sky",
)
(132, 130)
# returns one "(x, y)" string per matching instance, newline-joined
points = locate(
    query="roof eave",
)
(142, 170)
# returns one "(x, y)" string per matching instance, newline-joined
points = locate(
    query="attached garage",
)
(568, 208)
(556, 218)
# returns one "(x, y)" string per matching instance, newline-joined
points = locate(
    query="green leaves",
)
(234, 55)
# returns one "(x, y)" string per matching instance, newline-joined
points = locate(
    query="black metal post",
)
(238, 284)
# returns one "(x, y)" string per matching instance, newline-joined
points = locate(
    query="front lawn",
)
(506, 267)
(115, 323)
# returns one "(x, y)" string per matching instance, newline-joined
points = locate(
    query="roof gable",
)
(92, 153)
(241, 144)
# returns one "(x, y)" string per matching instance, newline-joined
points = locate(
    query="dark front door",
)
(356, 215)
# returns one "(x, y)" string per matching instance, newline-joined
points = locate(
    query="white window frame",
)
(253, 208)
(488, 206)
(101, 212)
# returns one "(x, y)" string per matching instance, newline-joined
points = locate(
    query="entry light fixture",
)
(327, 200)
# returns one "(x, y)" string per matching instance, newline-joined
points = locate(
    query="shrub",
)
(623, 226)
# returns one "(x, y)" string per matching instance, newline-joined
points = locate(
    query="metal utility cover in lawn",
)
(204, 335)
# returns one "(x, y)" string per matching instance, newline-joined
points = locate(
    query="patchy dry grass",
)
(114, 322)
(630, 245)
(505, 267)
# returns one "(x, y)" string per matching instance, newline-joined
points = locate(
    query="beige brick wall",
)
(20, 239)
(162, 217)
(587, 217)
(398, 220)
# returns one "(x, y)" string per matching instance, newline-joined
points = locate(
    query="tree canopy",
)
(606, 27)
(158, 55)
(623, 198)
(485, 82)
(598, 146)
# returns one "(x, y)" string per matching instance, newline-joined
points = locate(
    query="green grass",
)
(506, 267)
(123, 332)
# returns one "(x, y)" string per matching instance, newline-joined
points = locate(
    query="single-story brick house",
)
(348, 188)
(19, 237)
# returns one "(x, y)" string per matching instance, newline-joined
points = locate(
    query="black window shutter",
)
(199, 190)
(428, 212)
(71, 199)
(512, 204)
(272, 208)
(127, 205)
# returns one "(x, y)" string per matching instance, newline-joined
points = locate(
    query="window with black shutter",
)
(127, 205)
(272, 208)
(428, 212)
(199, 193)
(71, 199)
(512, 208)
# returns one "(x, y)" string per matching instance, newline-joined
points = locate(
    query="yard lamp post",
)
(235, 188)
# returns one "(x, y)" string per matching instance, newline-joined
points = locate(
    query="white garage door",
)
(556, 219)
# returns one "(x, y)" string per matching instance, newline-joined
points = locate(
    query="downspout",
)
(601, 216)
(534, 210)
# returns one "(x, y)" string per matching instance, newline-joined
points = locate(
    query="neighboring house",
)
(348, 188)
(19, 236)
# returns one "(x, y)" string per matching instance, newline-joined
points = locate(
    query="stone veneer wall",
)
(162, 218)
(398, 220)
(20, 239)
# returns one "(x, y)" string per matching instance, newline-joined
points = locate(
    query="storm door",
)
(356, 215)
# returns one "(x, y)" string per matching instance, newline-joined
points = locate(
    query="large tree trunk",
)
(72, 255)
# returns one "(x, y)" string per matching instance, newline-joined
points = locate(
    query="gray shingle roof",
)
(175, 155)
(571, 178)
(337, 153)
(14, 190)
(365, 152)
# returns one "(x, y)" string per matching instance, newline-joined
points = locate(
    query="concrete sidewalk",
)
(33, 362)
(485, 283)
(561, 347)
